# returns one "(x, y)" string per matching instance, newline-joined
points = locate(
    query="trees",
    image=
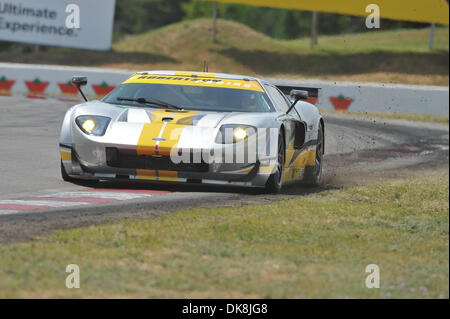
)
(136, 16)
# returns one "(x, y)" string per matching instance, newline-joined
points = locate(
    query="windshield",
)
(191, 97)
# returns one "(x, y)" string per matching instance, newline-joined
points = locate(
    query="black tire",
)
(313, 174)
(275, 181)
(82, 182)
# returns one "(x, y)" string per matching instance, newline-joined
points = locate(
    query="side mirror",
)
(299, 95)
(79, 81)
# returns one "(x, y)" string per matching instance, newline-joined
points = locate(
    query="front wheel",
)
(275, 181)
(313, 174)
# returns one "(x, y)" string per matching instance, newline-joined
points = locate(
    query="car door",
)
(292, 120)
(295, 130)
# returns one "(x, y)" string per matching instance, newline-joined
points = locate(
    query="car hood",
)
(136, 115)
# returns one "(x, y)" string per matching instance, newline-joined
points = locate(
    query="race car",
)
(195, 127)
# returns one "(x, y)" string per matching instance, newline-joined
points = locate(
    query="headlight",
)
(240, 134)
(93, 125)
(231, 133)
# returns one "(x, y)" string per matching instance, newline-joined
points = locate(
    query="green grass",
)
(314, 246)
(399, 56)
(414, 40)
(438, 119)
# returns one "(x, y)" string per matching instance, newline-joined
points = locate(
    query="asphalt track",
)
(29, 168)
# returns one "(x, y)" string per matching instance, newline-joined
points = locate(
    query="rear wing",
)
(314, 94)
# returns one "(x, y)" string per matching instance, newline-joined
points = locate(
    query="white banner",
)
(84, 24)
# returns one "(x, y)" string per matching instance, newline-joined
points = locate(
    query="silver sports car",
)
(195, 127)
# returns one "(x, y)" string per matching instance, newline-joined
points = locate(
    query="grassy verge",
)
(399, 56)
(439, 119)
(308, 247)
(392, 40)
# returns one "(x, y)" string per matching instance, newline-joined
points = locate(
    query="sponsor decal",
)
(5, 86)
(102, 89)
(36, 89)
(196, 81)
(341, 103)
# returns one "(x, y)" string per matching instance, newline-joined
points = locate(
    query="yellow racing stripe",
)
(311, 161)
(158, 137)
(293, 172)
(146, 143)
(289, 153)
(171, 136)
(184, 117)
(153, 175)
(157, 116)
(172, 132)
(146, 174)
(169, 176)
(65, 156)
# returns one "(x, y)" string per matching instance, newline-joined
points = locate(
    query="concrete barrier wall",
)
(40, 81)
(371, 97)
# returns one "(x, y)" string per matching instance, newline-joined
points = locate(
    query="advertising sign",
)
(84, 24)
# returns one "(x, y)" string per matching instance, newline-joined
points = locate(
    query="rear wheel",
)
(275, 181)
(313, 174)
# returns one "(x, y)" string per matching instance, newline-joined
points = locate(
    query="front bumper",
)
(97, 158)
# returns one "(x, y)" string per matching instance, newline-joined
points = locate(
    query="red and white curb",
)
(74, 199)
